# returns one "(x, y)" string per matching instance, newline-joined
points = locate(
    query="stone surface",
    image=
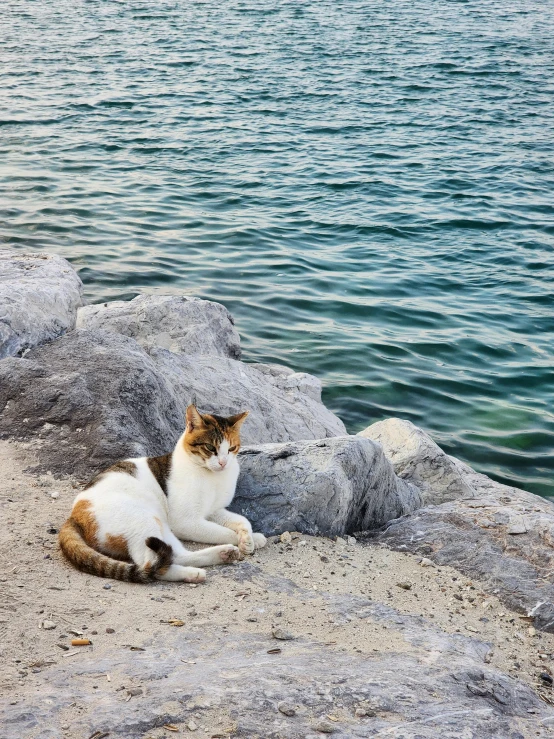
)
(503, 536)
(181, 324)
(86, 399)
(39, 297)
(440, 686)
(92, 397)
(417, 458)
(332, 486)
(284, 405)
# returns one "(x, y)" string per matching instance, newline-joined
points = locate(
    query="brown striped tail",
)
(87, 559)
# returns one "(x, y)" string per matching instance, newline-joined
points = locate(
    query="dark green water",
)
(366, 185)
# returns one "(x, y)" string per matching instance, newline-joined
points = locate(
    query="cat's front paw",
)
(194, 574)
(229, 554)
(259, 540)
(246, 542)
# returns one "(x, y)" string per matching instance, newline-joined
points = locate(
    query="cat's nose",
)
(222, 463)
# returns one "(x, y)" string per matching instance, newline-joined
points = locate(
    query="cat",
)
(127, 523)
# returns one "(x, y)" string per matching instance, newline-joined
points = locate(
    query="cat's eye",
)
(210, 448)
(232, 448)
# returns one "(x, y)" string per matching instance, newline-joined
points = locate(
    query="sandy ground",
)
(37, 584)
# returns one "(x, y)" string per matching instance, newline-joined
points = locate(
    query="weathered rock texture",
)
(39, 297)
(440, 687)
(88, 398)
(92, 397)
(331, 486)
(416, 457)
(502, 536)
(284, 405)
(180, 324)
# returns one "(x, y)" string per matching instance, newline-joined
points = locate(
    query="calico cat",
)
(128, 522)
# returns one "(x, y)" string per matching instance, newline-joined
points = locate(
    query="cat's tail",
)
(87, 559)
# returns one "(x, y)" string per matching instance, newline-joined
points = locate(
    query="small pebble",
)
(425, 562)
(192, 725)
(54, 495)
(404, 585)
(286, 709)
(107, 586)
(545, 677)
(48, 625)
(285, 537)
(110, 631)
(325, 727)
(134, 692)
(281, 634)
(364, 712)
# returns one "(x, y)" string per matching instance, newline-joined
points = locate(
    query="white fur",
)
(194, 510)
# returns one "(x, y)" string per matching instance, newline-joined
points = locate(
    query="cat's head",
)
(212, 441)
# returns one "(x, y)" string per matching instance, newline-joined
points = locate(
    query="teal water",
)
(366, 185)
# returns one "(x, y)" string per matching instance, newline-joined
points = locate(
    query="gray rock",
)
(87, 399)
(441, 687)
(39, 297)
(331, 486)
(92, 397)
(284, 405)
(417, 458)
(181, 324)
(503, 536)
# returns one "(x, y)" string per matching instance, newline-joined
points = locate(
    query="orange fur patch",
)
(83, 515)
(116, 546)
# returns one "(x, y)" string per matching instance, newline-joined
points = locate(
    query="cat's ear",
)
(194, 419)
(237, 420)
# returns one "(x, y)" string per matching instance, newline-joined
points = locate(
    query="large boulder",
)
(92, 397)
(181, 324)
(416, 457)
(87, 399)
(39, 297)
(284, 405)
(330, 487)
(502, 536)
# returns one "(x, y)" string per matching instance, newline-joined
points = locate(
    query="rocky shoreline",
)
(83, 386)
